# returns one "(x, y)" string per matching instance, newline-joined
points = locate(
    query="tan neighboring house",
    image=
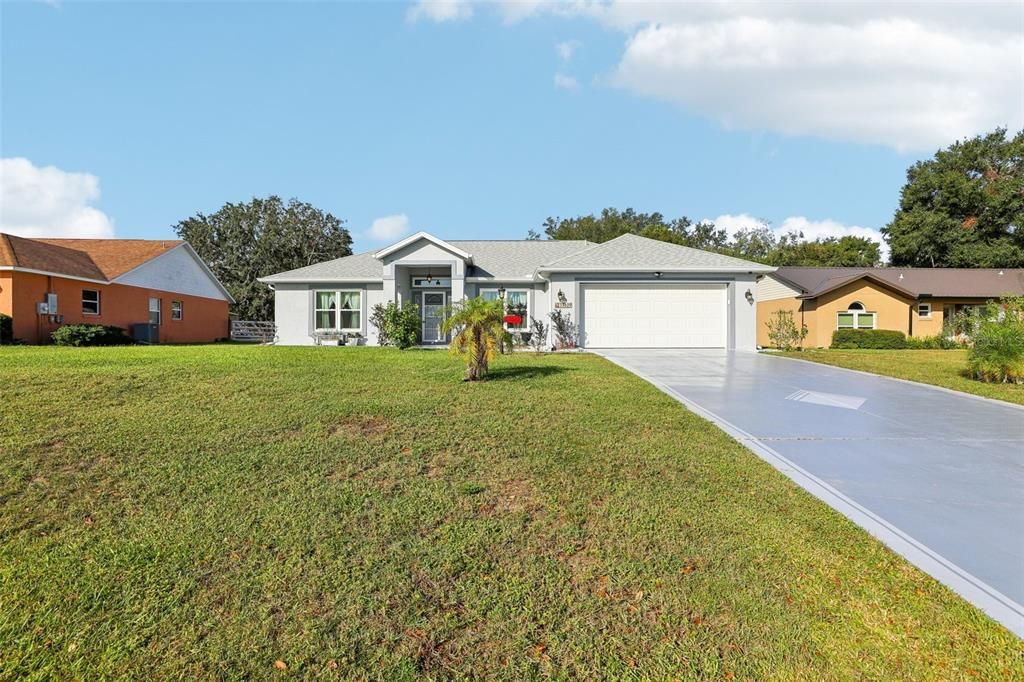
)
(915, 301)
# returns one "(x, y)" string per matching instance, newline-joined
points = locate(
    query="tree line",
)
(759, 243)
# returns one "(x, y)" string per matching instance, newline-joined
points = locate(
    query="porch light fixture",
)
(501, 293)
(749, 296)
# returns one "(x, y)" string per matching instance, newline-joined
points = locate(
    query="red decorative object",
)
(514, 320)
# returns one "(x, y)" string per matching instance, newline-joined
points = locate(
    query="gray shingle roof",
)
(516, 259)
(360, 266)
(632, 252)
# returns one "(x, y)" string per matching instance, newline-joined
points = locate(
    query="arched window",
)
(855, 317)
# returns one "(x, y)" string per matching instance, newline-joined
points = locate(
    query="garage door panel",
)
(654, 316)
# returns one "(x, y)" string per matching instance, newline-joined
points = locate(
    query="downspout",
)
(802, 320)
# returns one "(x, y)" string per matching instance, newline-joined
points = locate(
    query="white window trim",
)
(337, 309)
(856, 319)
(180, 311)
(529, 305)
(159, 310)
(926, 316)
(444, 282)
(98, 302)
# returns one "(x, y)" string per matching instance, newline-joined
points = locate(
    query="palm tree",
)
(478, 328)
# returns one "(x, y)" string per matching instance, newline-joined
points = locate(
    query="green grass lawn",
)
(226, 511)
(939, 367)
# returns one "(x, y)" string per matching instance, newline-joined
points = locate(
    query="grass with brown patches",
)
(363, 513)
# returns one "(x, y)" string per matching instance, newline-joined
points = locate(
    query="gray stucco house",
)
(628, 292)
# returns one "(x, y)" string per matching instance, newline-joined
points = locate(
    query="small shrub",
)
(937, 342)
(396, 325)
(6, 329)
(997, 352)
(377, 320)
(91, 335)
(566, 332)
(538, 334)
(783, 331)
(875, 339)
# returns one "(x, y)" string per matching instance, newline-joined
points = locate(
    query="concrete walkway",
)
(936, 475)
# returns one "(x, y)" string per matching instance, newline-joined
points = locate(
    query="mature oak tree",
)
(244, 241)
(964, 207)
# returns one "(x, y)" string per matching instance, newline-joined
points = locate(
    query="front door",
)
(432, 313)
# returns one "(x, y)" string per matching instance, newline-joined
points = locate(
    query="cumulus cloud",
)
(732, 223)
(811, 229)
(565, 82)
(389, 228)
(49, 202)
(567, 49)
(912, 76)
(440, 11)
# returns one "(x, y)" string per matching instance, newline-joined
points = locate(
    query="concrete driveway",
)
(937, 475)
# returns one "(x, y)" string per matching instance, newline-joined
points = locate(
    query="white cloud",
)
(440, 11)
(565, 82)
(811, 229)
(733, 223)
(912, 76)
(818, 229)
(49, 202)
(389, 228)
(567, 49)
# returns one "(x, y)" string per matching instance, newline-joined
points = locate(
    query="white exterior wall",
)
(177, 271)
(744, 313)
(292, 314)
(373, 294)
(293, 305)
(293, 310)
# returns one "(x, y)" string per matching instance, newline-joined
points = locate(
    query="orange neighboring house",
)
(158, 290)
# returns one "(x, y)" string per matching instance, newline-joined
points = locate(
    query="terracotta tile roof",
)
(101, 259)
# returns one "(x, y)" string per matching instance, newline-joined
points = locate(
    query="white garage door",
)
(654, 316)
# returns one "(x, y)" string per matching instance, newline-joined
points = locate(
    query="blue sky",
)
(479, 121)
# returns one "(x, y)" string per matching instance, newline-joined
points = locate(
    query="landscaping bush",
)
(396, 326)
(937, 342)
(783, 331)
(6, 329)
(566, 332)
(91, 335)
(875, 339)
(997, 352)
(538, 334)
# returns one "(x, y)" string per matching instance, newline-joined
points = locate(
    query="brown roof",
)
(100, 259)
(915, 282)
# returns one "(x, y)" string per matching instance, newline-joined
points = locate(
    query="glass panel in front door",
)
(433, 316)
